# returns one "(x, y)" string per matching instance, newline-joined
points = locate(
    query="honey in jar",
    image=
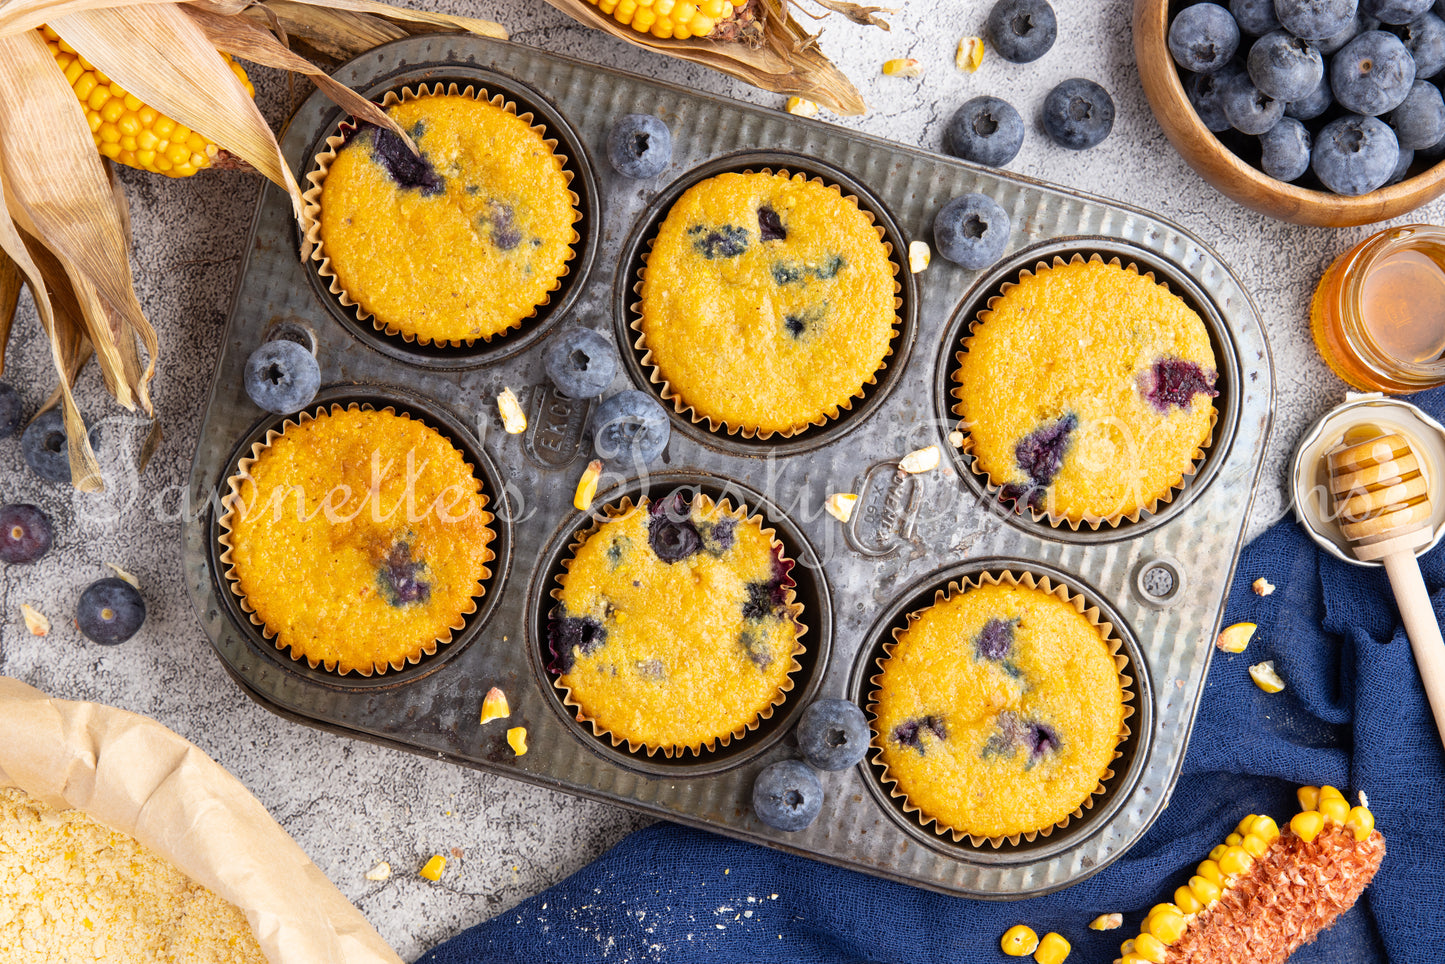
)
(1378, 315)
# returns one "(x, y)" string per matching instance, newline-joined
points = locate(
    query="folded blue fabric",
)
(1353, 715)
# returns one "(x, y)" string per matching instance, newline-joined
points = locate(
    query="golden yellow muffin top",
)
(360, 539)
(767, 301)
(675, 625)
(998, 710)
(462, 244)
(1086, 391)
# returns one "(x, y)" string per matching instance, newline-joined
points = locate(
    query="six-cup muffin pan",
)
(1161, 581)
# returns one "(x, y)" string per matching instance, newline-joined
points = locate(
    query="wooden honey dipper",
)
(1382, 503)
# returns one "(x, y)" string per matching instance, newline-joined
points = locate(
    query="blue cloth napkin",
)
(1353, 715)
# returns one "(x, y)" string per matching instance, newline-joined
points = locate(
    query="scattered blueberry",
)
(1041, 452)
(110, 611)
(1353, 155)
(1425, 39)
(1022, 31)
(45, 446)
(910, 732)
(770, 225)
(972, 231)
(1249, 109)
(833, 734)
(1284, 66)
(580, 362)
(1402, 166)
(571, 636)
(401, 165)
(12, 411)
(985, 130)
(1203, 37)
(1078, 114)
(1040, 739)
(1174, 381)
(1358, 25)
(1314, 19)
(995, 639)
(728, 241)
(639, 146)
(1372, 73)
(1204, 92)
(25, 533)
(1255, 17)
(500, 222)
(787, 795)
(631, 426)
(1434, 152)
(765, 599)
(281, 377)
(399, 577)
(670, 531)
(1313, 104)
(1395, 11)
(1285, 150)
(1419, 121)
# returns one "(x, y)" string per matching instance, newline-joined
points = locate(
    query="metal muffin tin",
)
(1161, 581)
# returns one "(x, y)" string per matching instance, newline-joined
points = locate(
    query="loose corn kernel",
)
(1264, 826)
(1186, 901)
(1262, 586)
(920, 460)
(1265, 677)
(1019, 941)
(494, 706)
(36, 622)
(1234, 639)
(1106, 922)
(1150, 948)
(1255, 845)
(380, 872)
(1309, 797)
(434, 867)
(514, 420)
(1167, 925)
(1361, 821)
(1334, 810)
(970, 54)
(1204, 889)
(1307, 825)
(517, 740)
(919, 256)
(1210, 871)
(1233, 840)
(587, 486)
(840, 505)
(902, 67)
(1218, 852)
(801, 107)
(1235, 861)
(1052, 949)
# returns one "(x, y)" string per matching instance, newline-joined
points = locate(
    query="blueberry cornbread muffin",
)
(465, 241)
(676, 626)
(767, 303)
(998, 710)
(72, 889)
(1086, 391)
(358, 539)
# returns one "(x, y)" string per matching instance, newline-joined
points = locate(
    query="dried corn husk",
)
(11, 281)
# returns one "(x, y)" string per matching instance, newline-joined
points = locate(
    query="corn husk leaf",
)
(18, 16)
(72, 344)
(11, 281)
(337, 32)
(864, 16)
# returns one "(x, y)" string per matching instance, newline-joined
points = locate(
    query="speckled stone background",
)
(350, 804)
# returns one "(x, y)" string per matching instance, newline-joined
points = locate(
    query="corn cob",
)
(125, 129)
(671, 19)
(1264, 893)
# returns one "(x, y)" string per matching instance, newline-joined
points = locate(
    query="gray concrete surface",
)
(351, 804)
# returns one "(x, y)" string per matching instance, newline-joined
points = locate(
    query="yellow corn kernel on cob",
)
(1262, 897)
(127, 130)
(670, 19)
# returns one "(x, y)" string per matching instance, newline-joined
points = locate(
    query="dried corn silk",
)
(74, 890)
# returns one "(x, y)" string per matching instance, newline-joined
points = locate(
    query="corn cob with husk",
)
(1266, 891)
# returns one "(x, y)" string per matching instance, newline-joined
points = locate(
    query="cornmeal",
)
(464, 245)
(72, 890)
(767, 301)
(998, 711)
(360, 540)
(1086, 391)
(676, 625)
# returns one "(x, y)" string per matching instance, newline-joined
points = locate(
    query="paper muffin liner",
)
(315, 248)
(1026, 580)
(995, 487)
(683, 407)
(790, 599)
(296, 651)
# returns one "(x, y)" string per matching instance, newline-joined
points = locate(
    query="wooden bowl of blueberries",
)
(1322, 112)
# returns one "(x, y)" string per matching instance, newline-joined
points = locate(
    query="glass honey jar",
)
(1378, 315)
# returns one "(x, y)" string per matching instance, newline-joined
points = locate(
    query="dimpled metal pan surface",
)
(1162, 581)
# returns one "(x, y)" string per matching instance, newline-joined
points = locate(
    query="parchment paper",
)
(134, 775)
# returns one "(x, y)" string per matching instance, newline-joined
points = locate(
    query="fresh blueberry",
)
(1204, 92)
(639, 146)
(1285, 150)
(12, 411)
(787, 795)
(1312, 104)
(1284, 66)
(1314, 19)
(580, 363)
(630, 426)
(1432, 153)
(408, 170)
(1022, 31)
(972, 231)
(1203, 37)
(1078, 114)
(1402, 166)
(1353, 155)
(1249, 109)
(671, 532)
(1395, 11)
(571, 636)
(1425, 39)
(1372, 73)
(1358, 25)
(1419, 121)
(25, 533)
(985, 130)
(45, 446)
(833, 734)
(110, 611)
(282, 376)
(1255, 17)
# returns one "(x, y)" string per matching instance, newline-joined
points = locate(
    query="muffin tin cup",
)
(1027, 580)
